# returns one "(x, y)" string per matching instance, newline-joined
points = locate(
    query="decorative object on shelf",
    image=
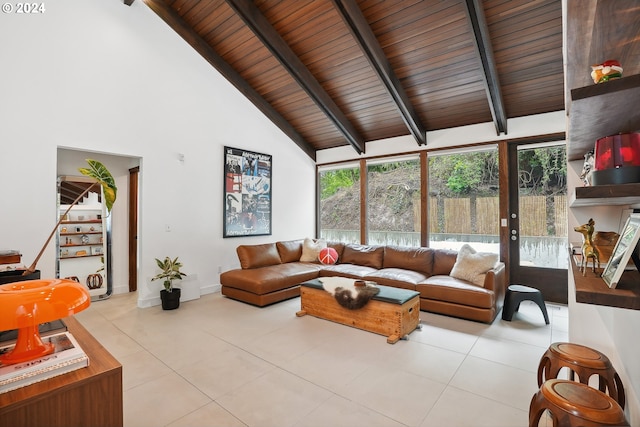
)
(84, 239)
(247, 193)
(94, 281)
(589, 250)
(617, 159)
(96, 250)
(103, 178)
(626, 248)
(26, 304)
(587, 168)
(73, 278)
(169, 296)
(608, 70)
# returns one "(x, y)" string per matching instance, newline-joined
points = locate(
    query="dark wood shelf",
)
(601, 110)
(591, 289)
(620, 194)
(90, 396)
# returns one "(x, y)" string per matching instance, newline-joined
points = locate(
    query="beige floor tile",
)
(458, 408)
(211, 415)
(277, 399)
(404, 397)
(340, 412)
(161, 401)
(219, 362)
(511, 386)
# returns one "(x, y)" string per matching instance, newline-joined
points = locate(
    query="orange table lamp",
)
(25, 305)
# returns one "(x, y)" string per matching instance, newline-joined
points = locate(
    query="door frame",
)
(552, 282)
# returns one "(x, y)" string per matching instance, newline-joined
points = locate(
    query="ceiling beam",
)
(361, 31)
(475, 14)
(261, 27)
(176, 22)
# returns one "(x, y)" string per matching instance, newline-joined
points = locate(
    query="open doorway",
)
(68, 162)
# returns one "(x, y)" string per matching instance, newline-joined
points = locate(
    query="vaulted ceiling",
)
(331, 73)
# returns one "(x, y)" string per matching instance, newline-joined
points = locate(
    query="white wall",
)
(100, 76)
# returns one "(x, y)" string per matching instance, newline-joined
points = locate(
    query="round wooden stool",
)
(575, 404)
(584, 362)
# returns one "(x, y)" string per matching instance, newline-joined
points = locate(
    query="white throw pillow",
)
(472, 266)
(311, 249)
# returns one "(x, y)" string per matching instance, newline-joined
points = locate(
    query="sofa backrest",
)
(368, 256)
(254, 256)
(409, 258)
(290, 250)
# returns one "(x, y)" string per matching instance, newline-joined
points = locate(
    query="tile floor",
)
(219, 362)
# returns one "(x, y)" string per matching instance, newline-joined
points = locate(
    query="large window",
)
(393, 202)
(340, 204)
(463, 201)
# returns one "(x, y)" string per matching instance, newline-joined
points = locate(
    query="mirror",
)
(84, 237)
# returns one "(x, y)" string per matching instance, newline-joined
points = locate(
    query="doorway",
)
(68, 162)
(537, 220)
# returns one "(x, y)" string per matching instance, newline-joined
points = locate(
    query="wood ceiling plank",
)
(365, 37)
(279, 48)
(186, 32)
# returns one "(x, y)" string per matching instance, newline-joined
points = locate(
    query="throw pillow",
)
(328, 256)
(472, 266)
(311, 249)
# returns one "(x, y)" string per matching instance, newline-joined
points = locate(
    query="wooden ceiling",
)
(331, 73)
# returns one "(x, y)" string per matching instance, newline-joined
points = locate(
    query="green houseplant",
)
(170, 271)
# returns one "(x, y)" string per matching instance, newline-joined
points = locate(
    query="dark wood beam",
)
(261, 27)
(475, 14)
(361, 31)
(176, 22)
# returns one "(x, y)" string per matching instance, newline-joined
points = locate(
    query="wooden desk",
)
(86, 397)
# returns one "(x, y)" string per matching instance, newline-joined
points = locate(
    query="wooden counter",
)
(86, 397)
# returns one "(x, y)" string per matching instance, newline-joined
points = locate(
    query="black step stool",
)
(518, 293)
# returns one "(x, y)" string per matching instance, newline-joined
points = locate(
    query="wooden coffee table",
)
(394, 312)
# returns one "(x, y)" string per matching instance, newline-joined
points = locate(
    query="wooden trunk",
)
(392, 320)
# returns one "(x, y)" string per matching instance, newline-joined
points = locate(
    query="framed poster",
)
(247, 193)
(625, 247)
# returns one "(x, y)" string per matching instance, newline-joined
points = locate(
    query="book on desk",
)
(67, 356)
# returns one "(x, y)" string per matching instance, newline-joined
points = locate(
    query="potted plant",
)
(103, 178)
(169, 296)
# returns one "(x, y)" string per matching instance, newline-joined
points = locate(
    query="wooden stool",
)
(518, 293)
(584, 362)
(574, 404)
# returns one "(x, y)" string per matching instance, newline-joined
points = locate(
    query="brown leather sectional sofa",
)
(273, 272)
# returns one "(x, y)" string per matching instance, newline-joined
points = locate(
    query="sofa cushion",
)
(265, 280)
(338, 246)
(368, 256)
(290, 250)
(397, 277)
(351, 271)
(415, 259)
(472, 266)
(311, 248)
(254, 256)
(443, 261)
(452, 290)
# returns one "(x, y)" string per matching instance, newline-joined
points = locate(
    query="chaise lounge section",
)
(272, 272)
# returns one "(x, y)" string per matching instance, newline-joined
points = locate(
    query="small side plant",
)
(170, 272)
